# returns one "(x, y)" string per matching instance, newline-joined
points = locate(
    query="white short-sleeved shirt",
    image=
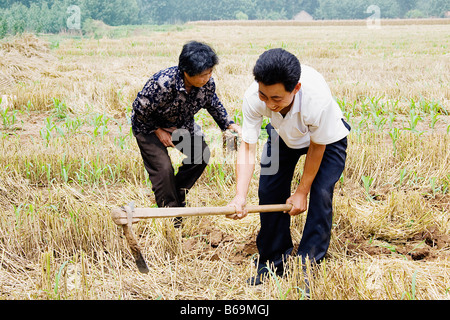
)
(315, 115)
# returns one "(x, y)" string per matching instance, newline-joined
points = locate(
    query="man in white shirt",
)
(305, 119)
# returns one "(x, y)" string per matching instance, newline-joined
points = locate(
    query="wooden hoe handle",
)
(120, 217)
(128, 215)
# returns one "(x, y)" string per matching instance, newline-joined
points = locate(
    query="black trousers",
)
(170, 189)
(274, 240)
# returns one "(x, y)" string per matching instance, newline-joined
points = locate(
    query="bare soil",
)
(426, 246)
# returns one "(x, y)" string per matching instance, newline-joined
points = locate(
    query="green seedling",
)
(8, 118)
(394, 134)
(367, 182)
(403, 173)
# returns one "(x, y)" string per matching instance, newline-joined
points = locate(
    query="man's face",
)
(199, 80)
(276, 97)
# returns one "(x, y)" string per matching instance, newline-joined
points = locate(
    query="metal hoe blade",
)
(132, 241)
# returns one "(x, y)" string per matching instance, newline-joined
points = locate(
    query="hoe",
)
(127, 215)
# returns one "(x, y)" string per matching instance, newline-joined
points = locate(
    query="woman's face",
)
(198, 80)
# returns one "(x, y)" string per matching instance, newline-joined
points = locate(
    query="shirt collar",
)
(297, 102)
(179, 81)
(296, 106)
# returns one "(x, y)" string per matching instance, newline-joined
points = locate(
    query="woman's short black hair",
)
(197, 57)
(278, 66)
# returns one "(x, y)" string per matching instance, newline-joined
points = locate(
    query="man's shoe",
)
(262, 276)
(257, 280)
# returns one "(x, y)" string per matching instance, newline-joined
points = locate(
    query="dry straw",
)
(69, 157)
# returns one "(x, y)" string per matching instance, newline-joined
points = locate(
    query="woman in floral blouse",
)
(163, 116)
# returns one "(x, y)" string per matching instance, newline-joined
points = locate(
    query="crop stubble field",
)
(67, 157)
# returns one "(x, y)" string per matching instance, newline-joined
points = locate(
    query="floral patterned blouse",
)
(165, 103)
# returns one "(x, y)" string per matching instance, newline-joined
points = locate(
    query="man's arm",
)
(312, 163)
(245, 166)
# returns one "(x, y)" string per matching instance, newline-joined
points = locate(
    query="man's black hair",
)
(197, 57)
(278, 66)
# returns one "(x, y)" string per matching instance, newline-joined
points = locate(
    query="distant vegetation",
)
(53, 16)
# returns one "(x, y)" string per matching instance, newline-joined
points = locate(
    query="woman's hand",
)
(235, 128)
(165, 137)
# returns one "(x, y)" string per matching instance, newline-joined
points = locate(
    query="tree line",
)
(53, 16)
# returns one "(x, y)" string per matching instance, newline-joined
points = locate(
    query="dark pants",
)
(274, 239)
(170, 189)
